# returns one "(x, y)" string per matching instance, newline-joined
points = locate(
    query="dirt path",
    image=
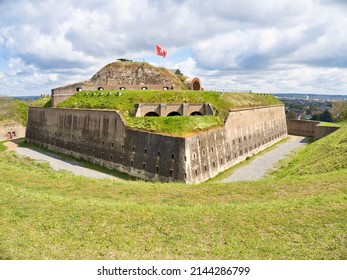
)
(255, 170)
(11, 146)
(57, 162)
(258, 167)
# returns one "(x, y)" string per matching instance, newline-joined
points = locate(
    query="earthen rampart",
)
(128, 76)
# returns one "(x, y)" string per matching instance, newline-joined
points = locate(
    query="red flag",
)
(160, 51)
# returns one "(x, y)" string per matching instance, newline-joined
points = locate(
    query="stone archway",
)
(196, 113)
(173, 113)
(152, 114)
(193, 83)
(196, 84)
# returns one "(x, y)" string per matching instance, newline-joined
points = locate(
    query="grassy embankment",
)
(13, 109)
(181, 126)
(298, 213)
(44, 101)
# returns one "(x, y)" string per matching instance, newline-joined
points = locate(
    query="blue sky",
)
(264, 46)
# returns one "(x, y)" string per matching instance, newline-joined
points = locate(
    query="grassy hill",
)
(326, 155)
(126, 102)
(13, 109)
(44, 101)
(297, 213)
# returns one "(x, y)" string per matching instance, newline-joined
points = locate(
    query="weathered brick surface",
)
(309, 128)
(100, 136)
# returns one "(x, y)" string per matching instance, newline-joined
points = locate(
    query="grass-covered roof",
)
(125, 102)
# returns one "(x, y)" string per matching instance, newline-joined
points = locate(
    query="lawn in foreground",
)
(55, 215)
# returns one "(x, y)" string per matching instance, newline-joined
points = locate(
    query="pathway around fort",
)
(261, 164)
(255, 170)
(57, 162)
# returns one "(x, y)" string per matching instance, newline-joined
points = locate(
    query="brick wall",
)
(100, 137)
(309, 128)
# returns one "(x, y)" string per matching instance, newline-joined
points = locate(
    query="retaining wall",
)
(309, 128)
(100, 137)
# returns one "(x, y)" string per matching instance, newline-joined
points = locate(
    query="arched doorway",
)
(173, 113)
(196, 84)
(152, 114)
(196, 113)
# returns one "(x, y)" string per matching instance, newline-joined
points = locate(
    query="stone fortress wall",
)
(101, 137)
(309, 128)
(245, 133)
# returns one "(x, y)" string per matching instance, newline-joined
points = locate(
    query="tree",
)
(339, 109)
(315, 118)
(326, 116)
(291, 115)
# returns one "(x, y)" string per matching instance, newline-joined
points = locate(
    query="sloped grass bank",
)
(13, 109)
(125, 102)
(44, 101)
(175, 125)
(327, 154)
(55, 215)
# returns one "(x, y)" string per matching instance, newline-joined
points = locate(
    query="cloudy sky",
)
(265, 46)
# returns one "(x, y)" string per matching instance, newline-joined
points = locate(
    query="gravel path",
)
(258, 167)
(58, 163)
(255, 170)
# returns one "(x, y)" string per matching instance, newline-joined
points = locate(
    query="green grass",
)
(44, 101)
(2, 147)
(56, 215)
(126, 102)
(325, 155)
(329, 124)
(14, 109)
(175, 125)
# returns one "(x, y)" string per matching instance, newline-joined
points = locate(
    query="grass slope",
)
(55, 215)
(13, 109)
(325, 155)
(126, 102)
(128, 98)
(44, 101)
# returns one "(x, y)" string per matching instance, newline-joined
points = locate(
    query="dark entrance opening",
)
(152, 114)
(174, 113)
(196, 113)
(196, 85)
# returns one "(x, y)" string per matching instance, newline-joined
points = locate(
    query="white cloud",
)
(270, 45)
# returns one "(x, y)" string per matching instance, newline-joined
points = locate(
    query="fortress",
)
(103, 133)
